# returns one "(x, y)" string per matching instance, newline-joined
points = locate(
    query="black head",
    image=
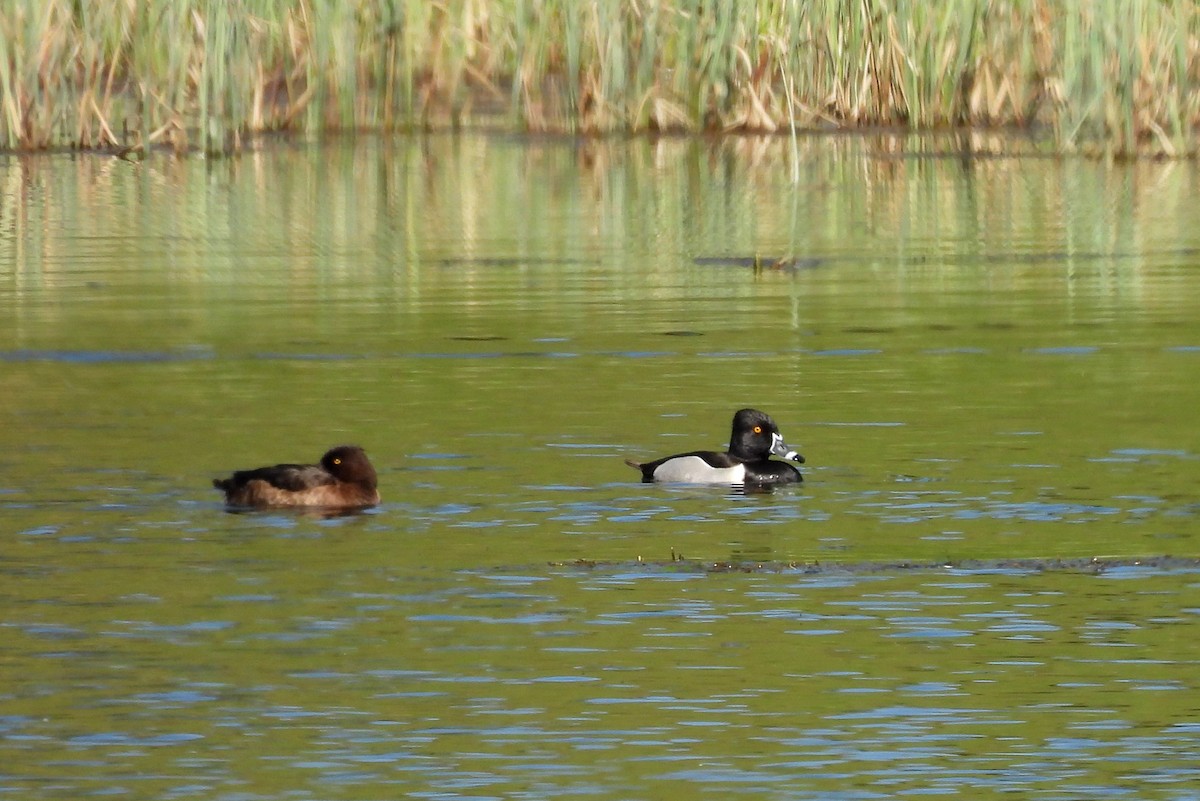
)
(350, 463)
(755, 437)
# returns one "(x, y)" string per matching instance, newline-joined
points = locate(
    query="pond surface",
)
(986, 586)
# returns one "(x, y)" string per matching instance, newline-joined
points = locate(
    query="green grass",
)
(1110, 77)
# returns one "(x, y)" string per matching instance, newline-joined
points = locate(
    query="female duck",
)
(754, 439)
(344, 479)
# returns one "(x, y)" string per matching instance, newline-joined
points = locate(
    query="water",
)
(986, 585)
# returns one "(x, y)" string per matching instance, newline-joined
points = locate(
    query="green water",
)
(991, 364)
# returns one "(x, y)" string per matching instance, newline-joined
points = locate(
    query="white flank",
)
(694, 470)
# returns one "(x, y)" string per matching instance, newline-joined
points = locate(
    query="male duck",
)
(755, 437)
(344, 479)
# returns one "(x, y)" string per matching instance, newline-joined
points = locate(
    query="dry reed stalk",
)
(1119, 76)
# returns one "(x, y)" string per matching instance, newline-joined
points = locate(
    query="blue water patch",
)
(734, 354)
(52, 630)
(1132, 571)
(1185, 728)
(452, 509)
(1036, 511)
(492, 354)
(104, 356)
(122, 739)
(511, 579)
(174, 697)
(933, 688)
(848, 352)
(912, 713)
(1066, 350)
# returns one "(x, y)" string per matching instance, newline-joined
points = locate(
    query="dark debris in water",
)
(797, 263)
(781, 263)
(1091, 565)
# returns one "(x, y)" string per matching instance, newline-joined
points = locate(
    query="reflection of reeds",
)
(1115, 76)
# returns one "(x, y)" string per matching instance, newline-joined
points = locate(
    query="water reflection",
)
(636, 676)
(985, 582)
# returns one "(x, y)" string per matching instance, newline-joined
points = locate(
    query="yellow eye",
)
(758, 429)
(337, 461)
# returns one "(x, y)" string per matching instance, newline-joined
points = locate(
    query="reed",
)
(1113, 77)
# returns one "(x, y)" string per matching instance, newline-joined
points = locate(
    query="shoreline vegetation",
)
(1111, 78)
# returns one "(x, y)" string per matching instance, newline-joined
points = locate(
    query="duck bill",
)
(785, 451)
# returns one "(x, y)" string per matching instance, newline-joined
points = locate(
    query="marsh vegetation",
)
(1118, 77)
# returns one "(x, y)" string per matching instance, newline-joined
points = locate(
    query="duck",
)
(754, 439)
(344, 479)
